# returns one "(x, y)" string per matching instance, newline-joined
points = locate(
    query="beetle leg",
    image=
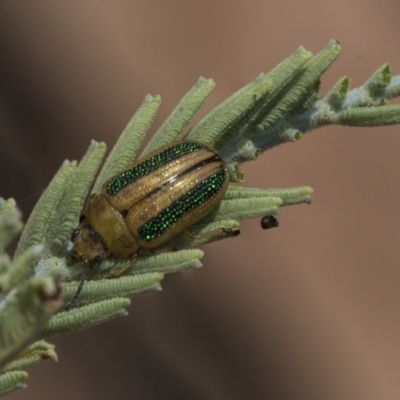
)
(118, 271)
(211, 236)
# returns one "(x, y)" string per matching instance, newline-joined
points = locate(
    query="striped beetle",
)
(151, 201)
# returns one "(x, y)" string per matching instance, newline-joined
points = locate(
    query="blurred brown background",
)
(306, 311)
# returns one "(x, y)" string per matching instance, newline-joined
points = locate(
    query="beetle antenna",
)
(75, 297)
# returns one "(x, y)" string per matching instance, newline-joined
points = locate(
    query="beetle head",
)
(88, 246)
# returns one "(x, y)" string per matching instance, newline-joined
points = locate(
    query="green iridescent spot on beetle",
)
(150, 202)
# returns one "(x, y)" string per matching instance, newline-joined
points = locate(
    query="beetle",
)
(150, 202)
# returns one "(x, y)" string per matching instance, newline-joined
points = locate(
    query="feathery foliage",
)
(275, 108)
